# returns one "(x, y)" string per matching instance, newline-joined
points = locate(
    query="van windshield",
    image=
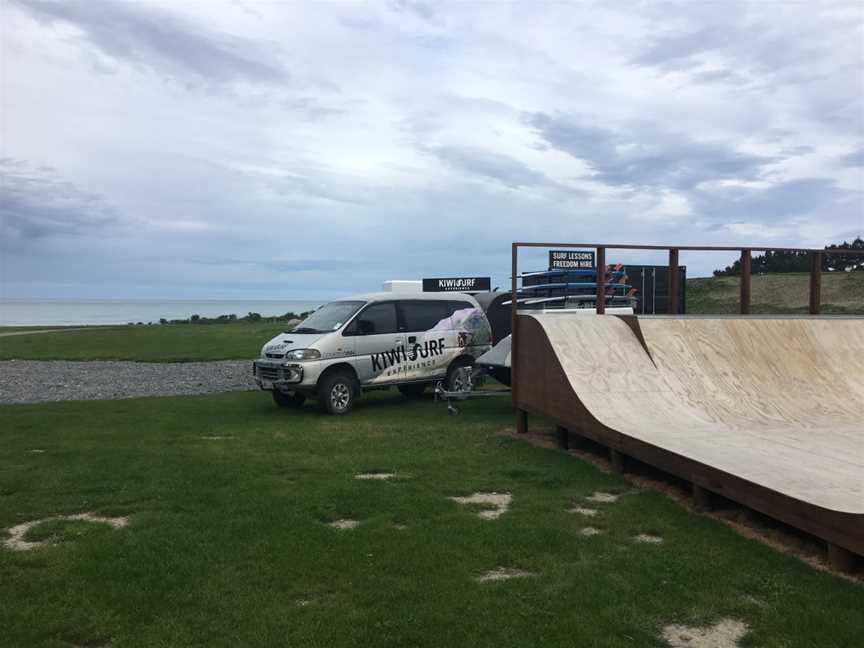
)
(330, 317)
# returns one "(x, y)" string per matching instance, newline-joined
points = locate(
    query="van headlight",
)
(303, 354)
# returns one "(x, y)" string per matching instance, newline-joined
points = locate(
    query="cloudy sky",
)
(186, 149)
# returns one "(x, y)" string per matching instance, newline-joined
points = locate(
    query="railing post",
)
(601, 281)
(815, 283)
(513, 337)
(746, 274)
(673, 281)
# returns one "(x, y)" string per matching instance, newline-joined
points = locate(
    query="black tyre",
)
(337, 393)
(412, 390)
(291, 400)
(459, 376)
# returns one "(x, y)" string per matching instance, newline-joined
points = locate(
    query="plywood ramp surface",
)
(777, 402)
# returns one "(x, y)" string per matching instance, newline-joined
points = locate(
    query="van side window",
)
(377, 319)
(425, 315)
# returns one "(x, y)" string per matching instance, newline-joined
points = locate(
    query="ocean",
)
(56, 312)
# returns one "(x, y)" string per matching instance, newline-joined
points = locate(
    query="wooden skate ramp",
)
(768, 412)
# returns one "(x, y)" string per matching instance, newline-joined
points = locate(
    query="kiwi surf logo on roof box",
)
(457, 284)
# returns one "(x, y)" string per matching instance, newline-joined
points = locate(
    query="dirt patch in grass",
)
(603, 498)
(725, 634)
(590, 531)
(344, 525)
(216, 437)
(496, 504)
(17, 542)
(648, 538)
(375, 475)
(37, 451)
(587, 512)
(503, 573)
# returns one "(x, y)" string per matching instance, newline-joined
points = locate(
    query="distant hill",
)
(781, 294)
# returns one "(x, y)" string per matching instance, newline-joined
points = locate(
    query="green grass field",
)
(779, 294)
(162, 343)
(229, 544)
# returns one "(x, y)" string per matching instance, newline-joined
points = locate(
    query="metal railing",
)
(816, 256)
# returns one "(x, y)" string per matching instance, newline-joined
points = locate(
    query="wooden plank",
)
(601, 280)
(815, 283)
(746, 275)
(673, 282)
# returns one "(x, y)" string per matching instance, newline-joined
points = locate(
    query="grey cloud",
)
(424, 10)
(509, 172)
(310, 109)
(646, 157)
(35, 203)
(162, 41)
(720, 76)
(321, 186)
(778, 203)
(678, 51)
(855, 159)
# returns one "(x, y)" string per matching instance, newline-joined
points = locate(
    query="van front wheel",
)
(336, 393)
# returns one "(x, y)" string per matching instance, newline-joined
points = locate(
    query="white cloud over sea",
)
(292, 150)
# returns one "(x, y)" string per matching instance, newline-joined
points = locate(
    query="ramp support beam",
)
(746, 275)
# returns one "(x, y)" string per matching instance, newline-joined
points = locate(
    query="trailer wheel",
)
(459, 376)
(291, 400)
(412, 390)
(337, 393)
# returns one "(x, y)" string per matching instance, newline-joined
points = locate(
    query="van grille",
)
(268, 373)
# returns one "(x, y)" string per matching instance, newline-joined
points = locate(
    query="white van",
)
(410, 340)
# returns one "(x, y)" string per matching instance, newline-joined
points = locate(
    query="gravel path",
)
(33, 381)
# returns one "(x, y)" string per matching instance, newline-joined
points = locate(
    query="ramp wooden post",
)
(521, 421)
(562, 437)
(601, 280)
(842, 559)
(815, 283)
(673, 281)
(746, 274)
(617, 460)
(702, 498)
